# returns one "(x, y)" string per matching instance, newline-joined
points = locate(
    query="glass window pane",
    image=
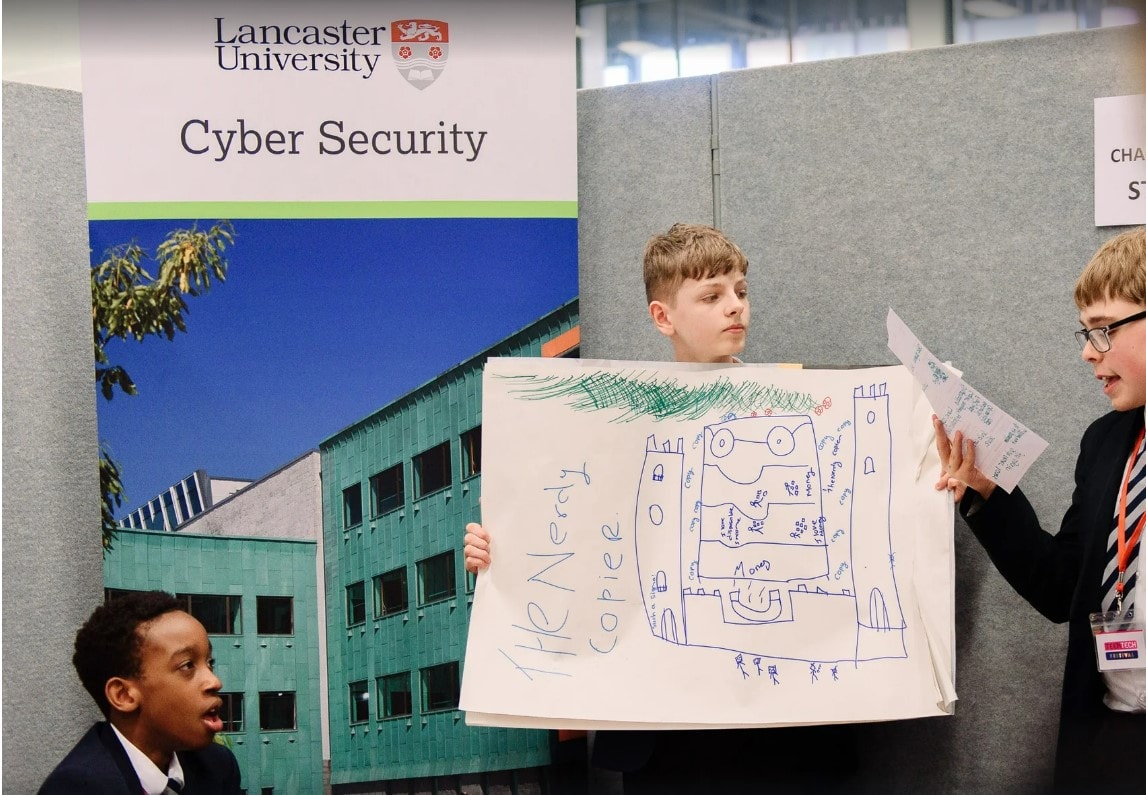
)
(440, 687)
(219, 615)
(276, 711)
(352, 505)
(387, 490)
(436, 578)
(471, 452)
(391, 594)
(394, 696)
(355, 603)
(232, 712)
(359, 702)
(432, 470)
(275, 615)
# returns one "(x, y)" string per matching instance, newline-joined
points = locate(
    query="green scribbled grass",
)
(664, 398)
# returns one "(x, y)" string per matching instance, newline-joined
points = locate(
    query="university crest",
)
(420, 48)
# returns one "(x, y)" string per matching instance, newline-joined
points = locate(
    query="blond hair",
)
(688, 251)
(1117, 270)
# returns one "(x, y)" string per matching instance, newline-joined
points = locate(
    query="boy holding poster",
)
(1086, 574)
(697, 291)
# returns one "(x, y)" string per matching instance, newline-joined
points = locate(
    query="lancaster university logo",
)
(420, 48)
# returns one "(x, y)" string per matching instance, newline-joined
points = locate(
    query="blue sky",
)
(319, 323)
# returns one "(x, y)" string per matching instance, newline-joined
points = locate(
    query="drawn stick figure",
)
(774, 674)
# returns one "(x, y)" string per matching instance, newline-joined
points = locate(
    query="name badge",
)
(1119, 641)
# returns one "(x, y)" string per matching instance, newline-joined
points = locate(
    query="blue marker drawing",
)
(761, 578)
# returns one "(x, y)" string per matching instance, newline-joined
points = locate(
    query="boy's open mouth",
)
(212, 720)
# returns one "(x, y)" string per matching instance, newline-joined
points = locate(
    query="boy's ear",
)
(660, 315)
(122, 694)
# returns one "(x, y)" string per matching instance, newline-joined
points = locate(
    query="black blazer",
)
(98, 765)
(1061, 576)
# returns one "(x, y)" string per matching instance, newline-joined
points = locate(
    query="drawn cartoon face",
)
(707, 320)
(1122, 369)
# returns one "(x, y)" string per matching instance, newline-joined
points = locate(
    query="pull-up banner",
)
(401, 179)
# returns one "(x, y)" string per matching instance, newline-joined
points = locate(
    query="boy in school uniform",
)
(1070, 576)
(697, 290)
(148, 665)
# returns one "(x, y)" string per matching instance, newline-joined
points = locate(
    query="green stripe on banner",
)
(124, 211)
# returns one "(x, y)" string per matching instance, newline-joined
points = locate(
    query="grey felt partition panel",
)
(644, 161)
(954, 185)
(53, 571)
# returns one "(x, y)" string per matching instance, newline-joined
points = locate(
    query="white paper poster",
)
(709, 545)
(1120, 160)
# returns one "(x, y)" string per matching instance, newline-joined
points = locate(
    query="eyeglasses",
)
(1100, 337)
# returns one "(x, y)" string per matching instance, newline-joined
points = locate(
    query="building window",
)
(436, 578)
(355, 603)
(391, 594)
(275, 615)
(352, 505)
(219, 615)
(440, 687)
(394, 698)
(276, 711)
(193, 493)
(232, 712)
(169, 511)
(182, 497)
(471, 452)
(113, 593)
(267, 791)
(432, 470)
(387, 491)
(359, 702)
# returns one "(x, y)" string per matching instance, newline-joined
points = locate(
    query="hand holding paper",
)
(1004, 447)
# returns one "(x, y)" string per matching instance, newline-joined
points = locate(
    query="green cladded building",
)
(258, 599)
(398, 488)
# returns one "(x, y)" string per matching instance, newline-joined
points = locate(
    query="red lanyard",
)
(1124, 547)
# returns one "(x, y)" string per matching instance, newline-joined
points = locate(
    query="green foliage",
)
(129, 303)
(111, 495)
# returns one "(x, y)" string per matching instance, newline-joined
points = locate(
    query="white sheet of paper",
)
(681, 546)
(1004, 447)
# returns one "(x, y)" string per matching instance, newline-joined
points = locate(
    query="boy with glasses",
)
(1086, 574)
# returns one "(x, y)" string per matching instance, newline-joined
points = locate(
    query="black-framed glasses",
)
(1100, 337)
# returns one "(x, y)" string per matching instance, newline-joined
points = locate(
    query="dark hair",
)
(108, 643)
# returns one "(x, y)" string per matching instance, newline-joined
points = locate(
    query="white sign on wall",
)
(1120, 160)
(346, 101)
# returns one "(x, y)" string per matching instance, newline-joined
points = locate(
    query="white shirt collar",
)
(153, 779)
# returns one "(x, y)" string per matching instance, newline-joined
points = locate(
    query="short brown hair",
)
(688, 251)
(1117, 270)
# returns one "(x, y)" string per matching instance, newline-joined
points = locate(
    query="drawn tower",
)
(881, 624)
(657, 528)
